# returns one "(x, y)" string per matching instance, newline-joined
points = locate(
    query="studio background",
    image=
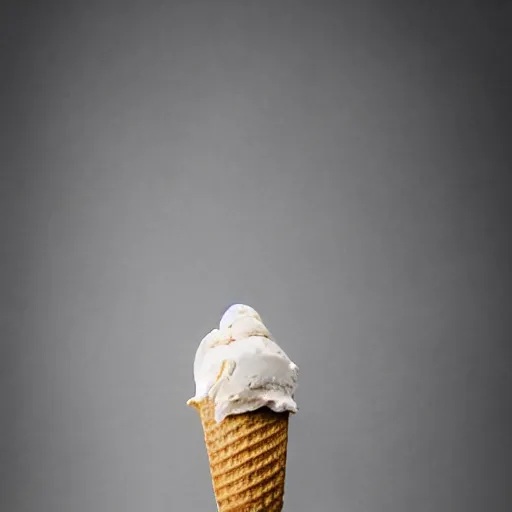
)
(341, 167)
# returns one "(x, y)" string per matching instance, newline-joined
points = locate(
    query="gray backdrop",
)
(340, 167)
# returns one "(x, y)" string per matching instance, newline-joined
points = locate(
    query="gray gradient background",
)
(340, 167)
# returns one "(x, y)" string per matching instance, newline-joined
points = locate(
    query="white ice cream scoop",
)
(241, 368)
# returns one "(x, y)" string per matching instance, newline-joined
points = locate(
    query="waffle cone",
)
(247, 455)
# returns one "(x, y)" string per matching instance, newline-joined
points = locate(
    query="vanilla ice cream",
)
(240, 368)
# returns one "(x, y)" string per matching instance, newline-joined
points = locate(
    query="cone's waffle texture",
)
(247, 454)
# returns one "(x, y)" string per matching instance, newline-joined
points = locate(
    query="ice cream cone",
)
(236, 368)
(247, 455)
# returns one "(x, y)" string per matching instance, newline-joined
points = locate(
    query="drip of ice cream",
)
(241, 368)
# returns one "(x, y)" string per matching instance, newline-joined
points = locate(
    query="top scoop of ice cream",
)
(235, 312)
(241, 368)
